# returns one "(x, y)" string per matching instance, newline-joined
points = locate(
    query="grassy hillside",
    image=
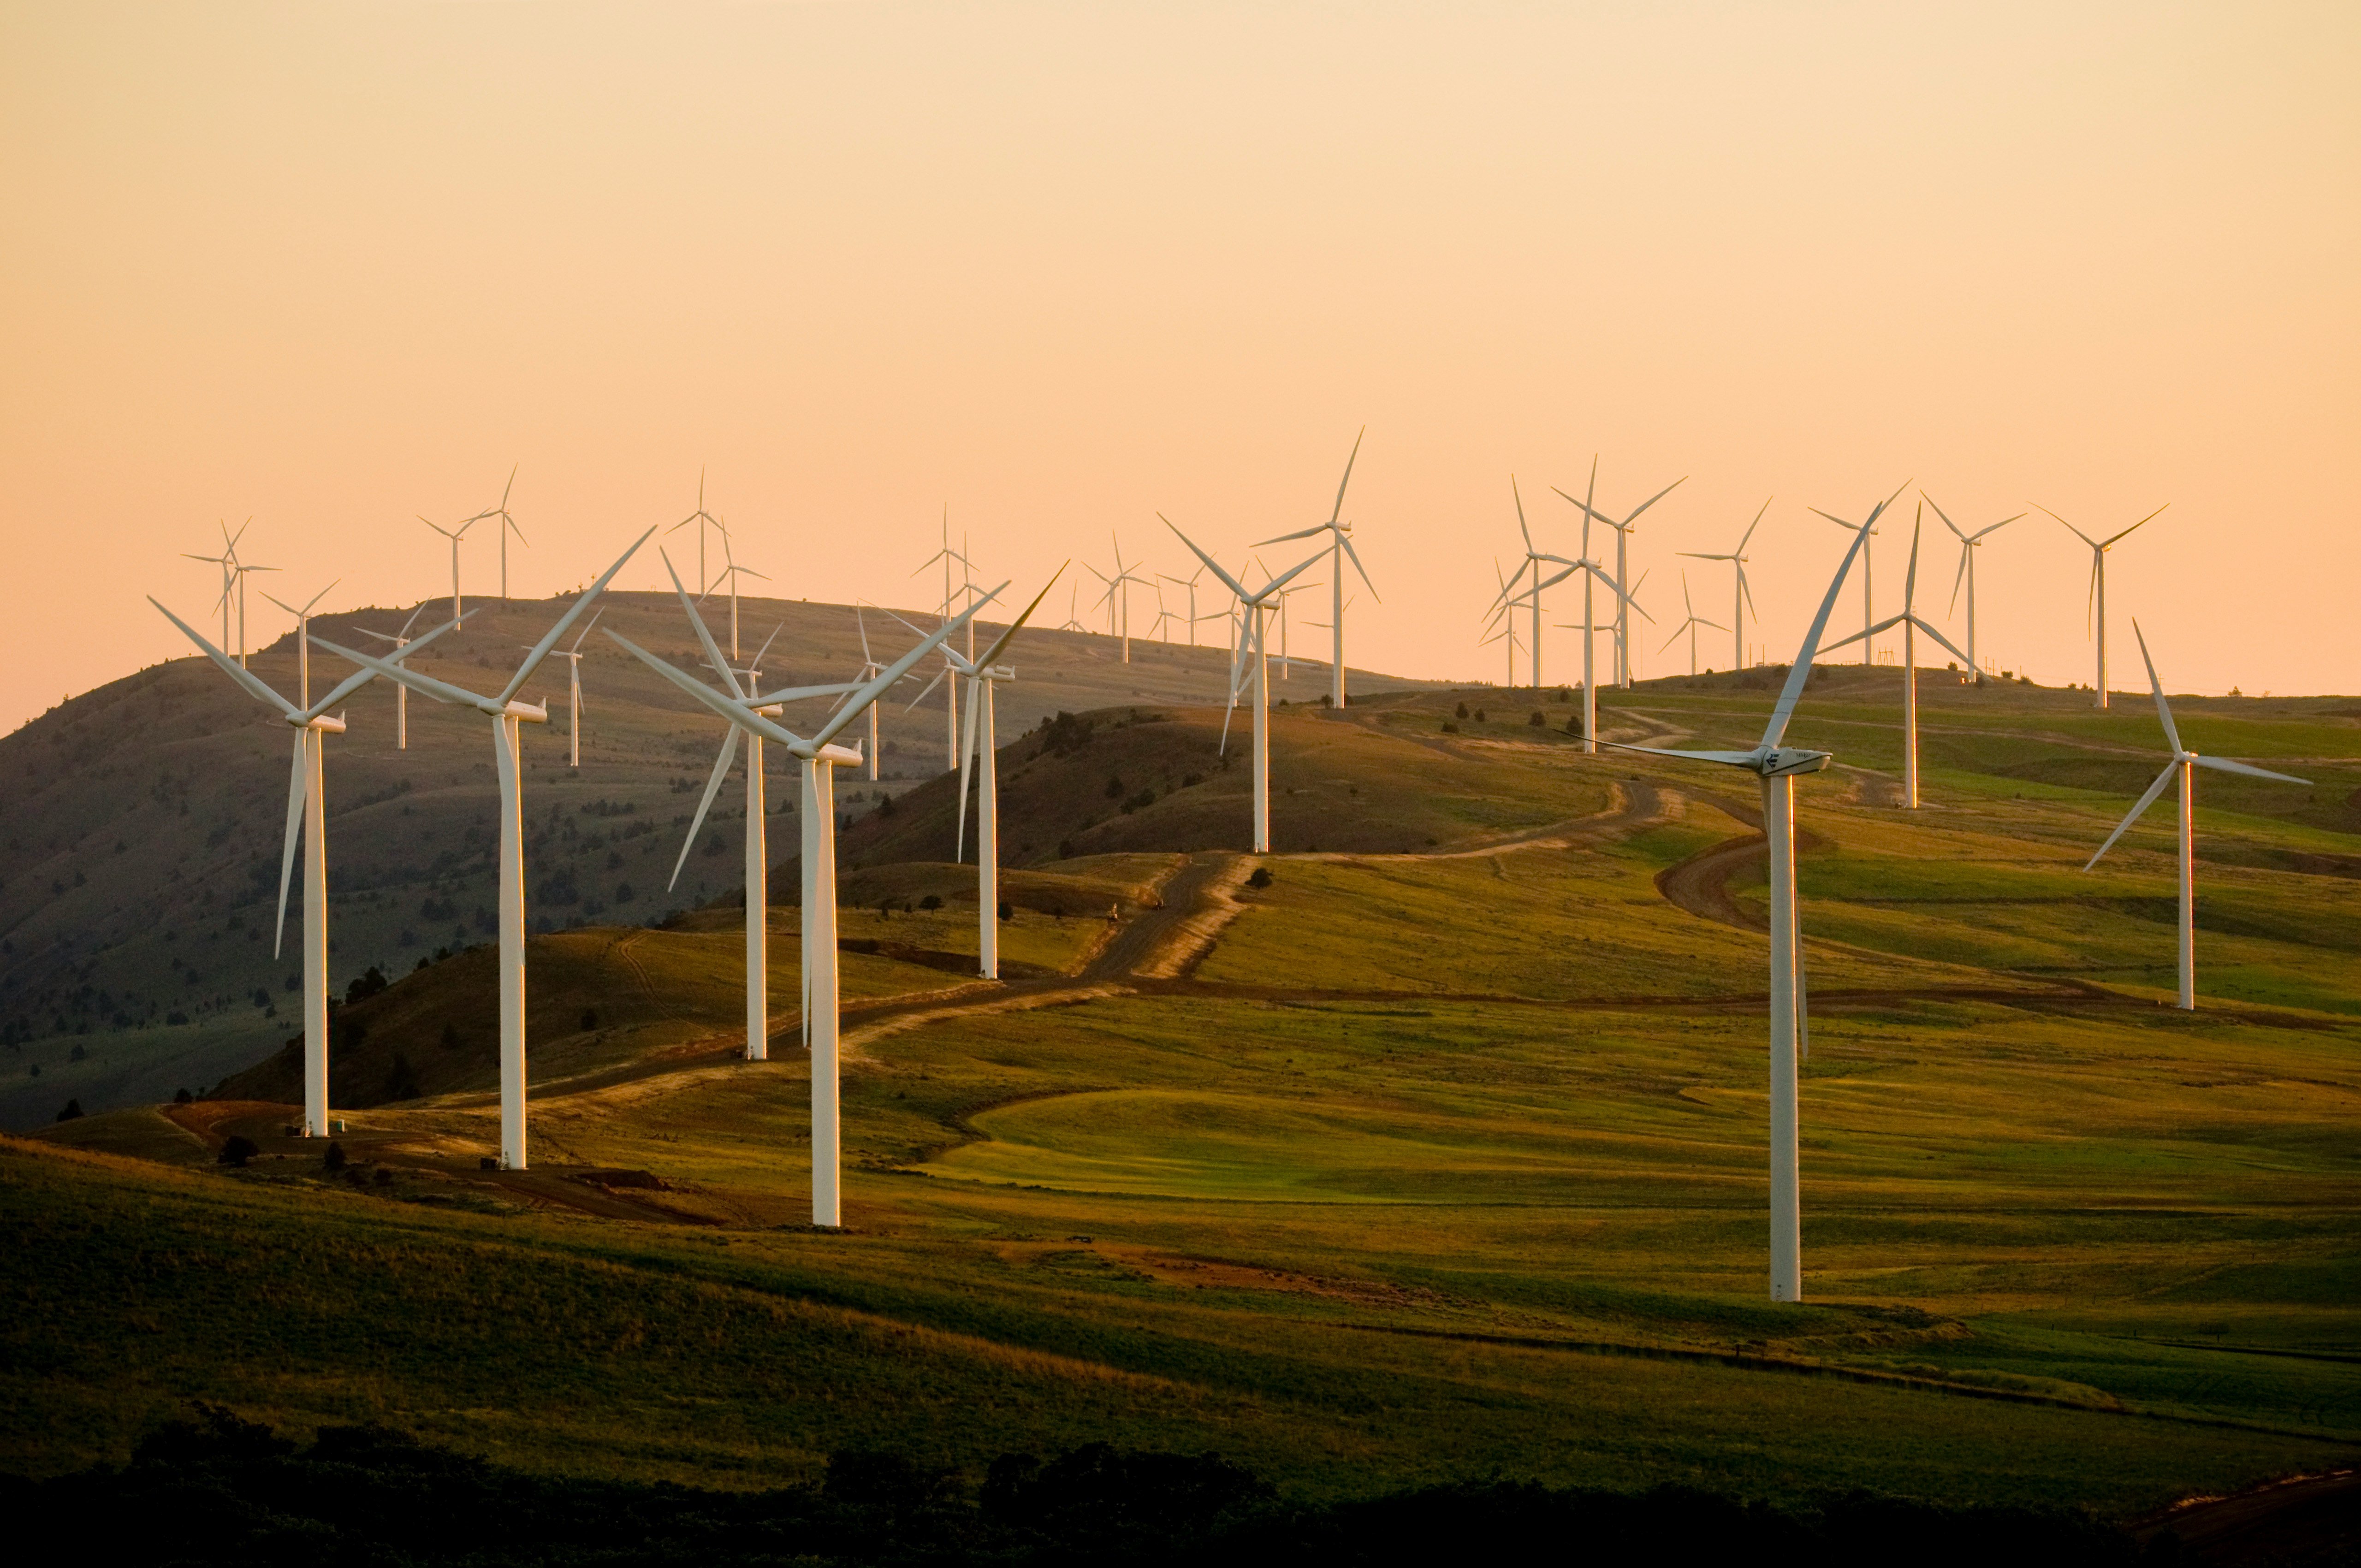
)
(1413, 1162)
(142, 848)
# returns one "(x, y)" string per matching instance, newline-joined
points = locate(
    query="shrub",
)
(73, 1111)
(238, 1150)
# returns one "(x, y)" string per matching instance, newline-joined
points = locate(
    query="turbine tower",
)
(2182, 768)
(307, 819)
(1255, 607)
(1742, 597)
(1340, 546)
(1690, 625)
(508, 714)
(1622, 565)
(1777, 764)
(819, 758)
(1912, 623)
(2098, 597)
(1969, 544)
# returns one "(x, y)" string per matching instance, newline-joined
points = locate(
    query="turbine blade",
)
(573, 613)
(721, 761)
(243, 677)
(2247, 770)
(2163, 709)
(296, 786)
(2146, 801)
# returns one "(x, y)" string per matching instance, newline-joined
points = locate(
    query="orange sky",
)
(1064, 266)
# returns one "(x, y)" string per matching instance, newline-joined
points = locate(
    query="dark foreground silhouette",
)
(221, 1489)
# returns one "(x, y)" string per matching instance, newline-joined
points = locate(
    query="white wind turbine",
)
(745, 688)
(1691, 625)
(981, 750)
(1340, 546)
(1742, 597)
(306, 818)
(573, 657)
(1254, 612)
(507, 525)
(704, 519)
(1912, 623)
(2098, 597)
(1622, 563)
(401, 692)
(508, 714)
(1118, 597)
(1969, 544)
(2182, 768)
(819, 758)
(950, 687)
(1190, 583)
(453, 534)
(1868, 639)
(1777, 764)
(1594, 573)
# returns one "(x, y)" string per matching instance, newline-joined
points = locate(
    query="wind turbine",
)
(1912, 623)
(733, 571)
(508, 526)
(819, 758)
(2098, 597)
(702, 518)
(1969, 544)
(1690, 625)
(1118, 597)
(1777, 764)
(401, 693)
(1340, 546)
(508, 714)
(745, 688)
(1622, 565)
(1190, 583)
(1253, 608)
(2183, 768)
(573, 657)
(981, 750)
(950, 687)
(1593, 574)
(302, 649)
(1742, 597)
(306, 818)
(1868, 577)
(453, 534)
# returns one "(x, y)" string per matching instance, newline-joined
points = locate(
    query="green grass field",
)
(1432, 1167)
